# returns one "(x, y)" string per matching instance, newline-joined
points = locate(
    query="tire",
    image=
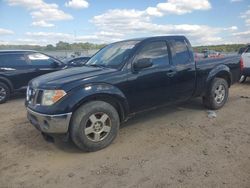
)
(89, 121)
(4, 93)
(243, 79)
(217, 94)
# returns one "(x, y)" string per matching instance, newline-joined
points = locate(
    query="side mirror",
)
(142, 64)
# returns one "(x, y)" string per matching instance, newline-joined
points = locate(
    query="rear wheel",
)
(217, 94)
(94, 126)
(242, 79)
(4, 93)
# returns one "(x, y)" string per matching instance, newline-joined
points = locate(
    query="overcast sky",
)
(104, 21)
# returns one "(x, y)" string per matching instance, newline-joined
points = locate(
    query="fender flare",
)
(221, 71)
(102, 91)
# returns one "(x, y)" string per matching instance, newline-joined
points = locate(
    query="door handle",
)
(170, 73)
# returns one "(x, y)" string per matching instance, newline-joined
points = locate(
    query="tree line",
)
(59, 46)
(220, 48)
(90, 46)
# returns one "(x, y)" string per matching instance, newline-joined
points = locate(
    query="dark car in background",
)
(77, 62)
(18, 67)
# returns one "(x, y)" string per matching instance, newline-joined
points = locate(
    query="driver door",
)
(148, 87)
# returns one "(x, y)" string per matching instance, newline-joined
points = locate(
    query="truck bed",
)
(205, 65)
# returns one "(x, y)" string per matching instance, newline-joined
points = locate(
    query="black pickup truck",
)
(88, 104)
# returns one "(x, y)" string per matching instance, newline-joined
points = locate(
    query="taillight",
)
(241, 64)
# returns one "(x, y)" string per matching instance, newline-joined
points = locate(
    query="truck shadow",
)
(193, 104)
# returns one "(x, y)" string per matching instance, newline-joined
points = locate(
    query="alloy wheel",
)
(98, 126)
(219, 94)
(3, 93)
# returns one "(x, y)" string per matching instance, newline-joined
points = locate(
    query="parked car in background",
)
(18, 67)
(77, 62)
(211, 54)
(88, 104)
(245, 58)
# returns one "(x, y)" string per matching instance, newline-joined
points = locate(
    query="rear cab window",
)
(180, 52)
(157, 51)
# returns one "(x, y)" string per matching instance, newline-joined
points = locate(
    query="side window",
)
(248, 50)
(180, 53)
(12, 60)
(156, 51)
(37, 59)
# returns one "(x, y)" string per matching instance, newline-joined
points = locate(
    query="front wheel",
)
(217, 94)
(94, 126)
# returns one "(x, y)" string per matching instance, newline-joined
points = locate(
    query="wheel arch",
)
(221, 71)
(7, 82)
(225, 75)
(106, 93)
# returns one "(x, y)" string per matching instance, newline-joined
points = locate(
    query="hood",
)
(58, 79)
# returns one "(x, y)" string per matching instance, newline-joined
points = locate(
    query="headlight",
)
(50, 97)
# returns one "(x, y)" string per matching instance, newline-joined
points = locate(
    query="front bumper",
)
(55, 124)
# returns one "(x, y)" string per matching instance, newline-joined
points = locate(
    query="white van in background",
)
(246, 64)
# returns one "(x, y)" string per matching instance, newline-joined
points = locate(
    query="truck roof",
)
(157, 37)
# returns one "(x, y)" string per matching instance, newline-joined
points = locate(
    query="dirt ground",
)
(177, 146)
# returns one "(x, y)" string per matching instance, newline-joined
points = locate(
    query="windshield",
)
(113, 55)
